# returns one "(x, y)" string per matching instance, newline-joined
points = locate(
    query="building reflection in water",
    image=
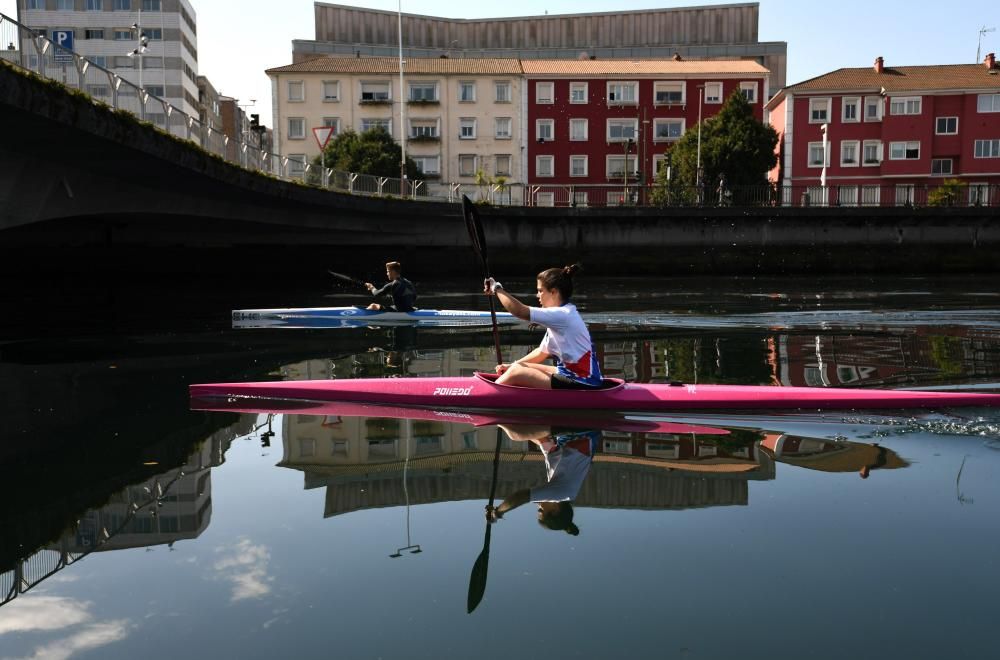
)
(173, 506)
(827, 456)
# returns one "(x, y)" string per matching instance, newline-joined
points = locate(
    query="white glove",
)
(491, 285)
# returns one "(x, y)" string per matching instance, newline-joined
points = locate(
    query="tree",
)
(372, 152)
(733, 143)
(947, 194)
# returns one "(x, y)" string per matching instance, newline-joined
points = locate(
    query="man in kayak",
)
(567, 340)
(403, 293)
(568, 456)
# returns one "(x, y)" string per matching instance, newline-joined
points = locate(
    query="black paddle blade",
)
(475, 228)
(346, 278)
(477, 581)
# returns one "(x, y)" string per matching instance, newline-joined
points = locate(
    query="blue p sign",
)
(63, 39)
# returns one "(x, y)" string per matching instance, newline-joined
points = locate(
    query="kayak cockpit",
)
(606, 385)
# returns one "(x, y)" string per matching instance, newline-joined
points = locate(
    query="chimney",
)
(990, 61)
(879, 64)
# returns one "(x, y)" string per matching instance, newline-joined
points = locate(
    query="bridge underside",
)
(87, 190)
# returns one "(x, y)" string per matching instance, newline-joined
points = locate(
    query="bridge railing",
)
(35, 51)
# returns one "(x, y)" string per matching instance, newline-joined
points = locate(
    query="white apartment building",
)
(101, 31)
(461, 116)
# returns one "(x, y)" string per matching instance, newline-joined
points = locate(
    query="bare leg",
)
(528, 375)
(375, 306)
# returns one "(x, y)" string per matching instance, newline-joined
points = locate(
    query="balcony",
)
(375, 100)
(422, 102)
(417, 139)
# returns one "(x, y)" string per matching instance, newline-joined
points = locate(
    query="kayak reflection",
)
(568, 455)
(826, 456)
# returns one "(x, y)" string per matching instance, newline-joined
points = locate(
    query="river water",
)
(133, 526)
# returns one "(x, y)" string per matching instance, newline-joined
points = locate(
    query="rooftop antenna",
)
(983, 30)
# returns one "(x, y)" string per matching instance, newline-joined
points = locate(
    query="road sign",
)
(63, 38)
(323, 135)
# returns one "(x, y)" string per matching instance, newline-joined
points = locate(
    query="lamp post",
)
(826, 158)
(402, 107)
(698, 173)
(142, 43)
(627, 144)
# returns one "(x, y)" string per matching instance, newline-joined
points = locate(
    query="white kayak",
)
(353, 317)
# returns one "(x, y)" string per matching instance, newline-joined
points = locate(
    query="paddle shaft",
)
(347, 278)
(478, 237)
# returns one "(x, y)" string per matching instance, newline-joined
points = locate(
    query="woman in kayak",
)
(403, 293)
(567, 340)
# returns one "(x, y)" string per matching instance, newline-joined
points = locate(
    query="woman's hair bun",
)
(573, 269)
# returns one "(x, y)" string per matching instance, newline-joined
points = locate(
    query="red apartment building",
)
(891, 134)
(597, 129)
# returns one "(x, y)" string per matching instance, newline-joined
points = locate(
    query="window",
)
(423, 128)
(34, 4)
(544, 92)
(466, 91)
(873, 108)
(872, 152)
(374, 92)
(467, 128)
(988, 103)
(423, 91)
(427, 164)
(501, 90)
(579, 198)
(98, 90)
(713, 92)
(122, 35)
(987, 148)
(64, 5)
(620, 130)
(123, 5)
(979, 194)
(296, 91)
(502, 165)
(578, 130)
(847, 195)
(946, 126)
(93, 34)
(296, 128)
(331, 91)
(296, 165)
(544, 165)
(904, 194)
(155, 90)
(941, 166)
(502, 127)
(94, 5)
(545, 129)
(749, 91)
(870, 195)
(151, 5)
(578, 92)
(816, 155)
(154, 34)
(904, 105)
(819, 111)
(332, 122)
(667, 130)
(466, 165)
(372, 124)
(617, 166)
(849, 153)
(578, 166)
(545, 199)
(99, 60)
(851, 110)
(623, 93)
(152, 62)
(659, 164)
(904, 150)
(667, 92)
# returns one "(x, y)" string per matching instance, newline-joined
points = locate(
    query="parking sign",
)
(63, 38)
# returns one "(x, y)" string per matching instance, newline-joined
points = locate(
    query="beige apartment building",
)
(458, 116)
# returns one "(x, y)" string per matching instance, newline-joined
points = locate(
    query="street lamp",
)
(627, 144)
(142, 43)
(698, 172)
(826, 158)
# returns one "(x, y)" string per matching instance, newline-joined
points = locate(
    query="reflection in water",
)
(826, 456)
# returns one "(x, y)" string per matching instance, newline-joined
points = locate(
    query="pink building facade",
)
(884, 136)
(597, 130)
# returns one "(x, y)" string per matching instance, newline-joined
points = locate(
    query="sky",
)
(239, 39)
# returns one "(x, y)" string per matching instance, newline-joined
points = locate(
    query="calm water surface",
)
(134, 527)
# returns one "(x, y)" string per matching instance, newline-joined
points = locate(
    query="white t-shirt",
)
(565, 468)
(566, 337)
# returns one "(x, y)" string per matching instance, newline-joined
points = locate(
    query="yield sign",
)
(323, 135)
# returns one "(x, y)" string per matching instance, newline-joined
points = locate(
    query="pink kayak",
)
(481, 392)
(604, 422)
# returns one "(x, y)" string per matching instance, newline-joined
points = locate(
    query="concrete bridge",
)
(85, 189)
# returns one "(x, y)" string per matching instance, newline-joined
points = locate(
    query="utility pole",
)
(402, 108)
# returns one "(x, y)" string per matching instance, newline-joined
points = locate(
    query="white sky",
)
(238, 40)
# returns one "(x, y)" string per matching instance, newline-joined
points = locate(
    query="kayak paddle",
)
(347, 278)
